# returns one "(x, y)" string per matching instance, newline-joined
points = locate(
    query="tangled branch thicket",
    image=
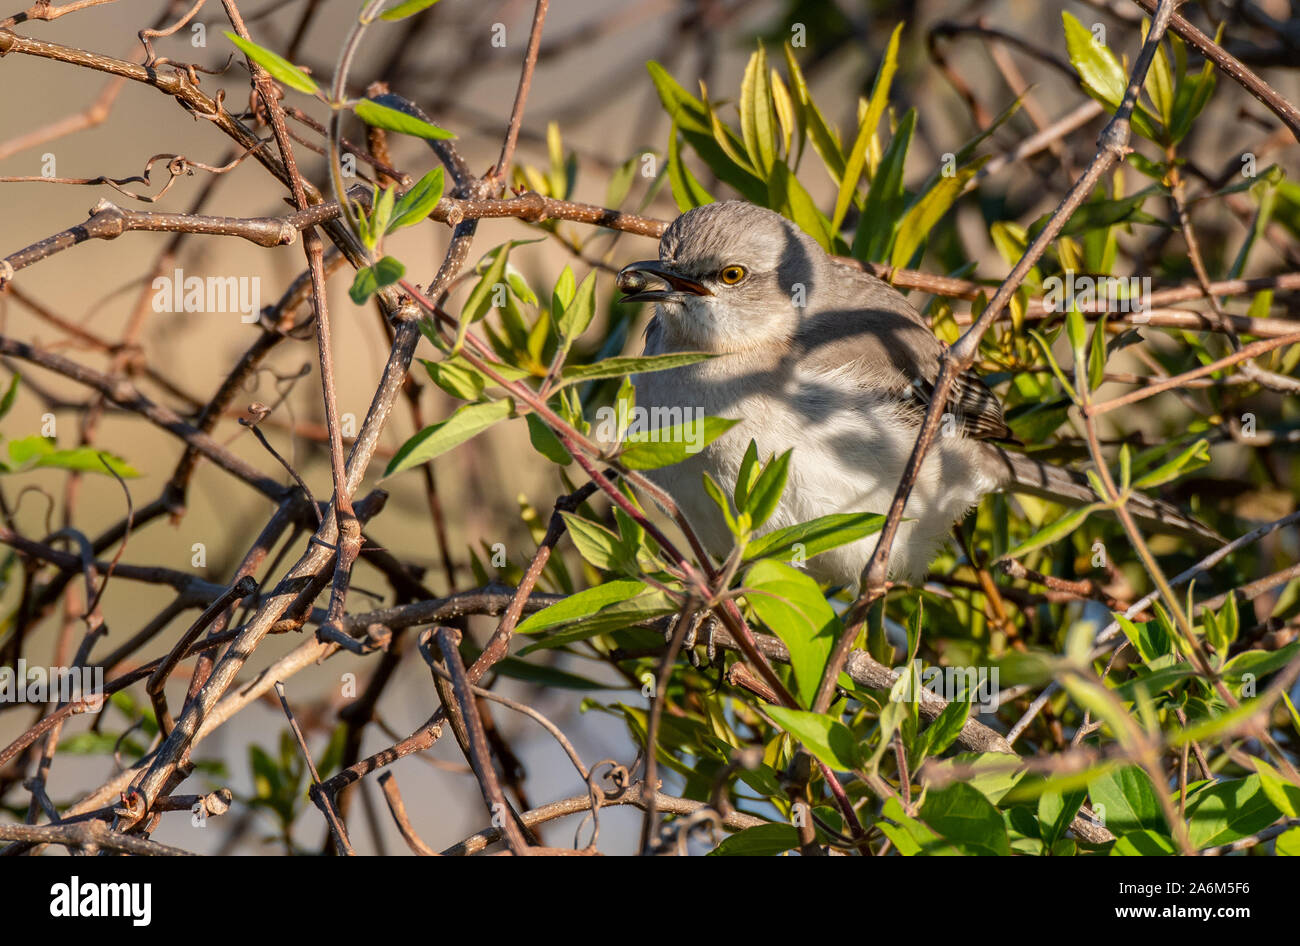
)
(1094, 213)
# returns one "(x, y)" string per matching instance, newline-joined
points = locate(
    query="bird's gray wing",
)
(869, 329)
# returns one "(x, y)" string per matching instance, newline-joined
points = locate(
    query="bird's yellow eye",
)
(732, 274)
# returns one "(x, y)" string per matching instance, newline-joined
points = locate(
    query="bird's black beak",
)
(632, 280)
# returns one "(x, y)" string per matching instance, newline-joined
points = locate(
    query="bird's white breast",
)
(850, 448)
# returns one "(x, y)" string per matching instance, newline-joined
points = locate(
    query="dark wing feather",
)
(860, 321)
(977, 409)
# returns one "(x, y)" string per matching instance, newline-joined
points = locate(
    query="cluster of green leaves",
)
(280, 780)
(388, 211)
(533, 342)
(778, 121)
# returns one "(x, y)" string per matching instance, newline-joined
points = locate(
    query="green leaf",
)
(598, 545)
(926, 213)
(720, 500)
(1056, 809)
(581, 604)
(884, 204)
(36, 452)
(1143, 844)
(1054, 531)
(469, 421)
(1045, 347)
(664, 446)
(90, 742)
(726, 139)
(1229, 811)
(1191, 95)
(562, 294)
(792, 605)
(1076, 330)
(370, 279)
(1148, 638)
(789, 198)
(1100, 214)
(1159, 84)
(1259, 663)
(1288, 843)
(1155, 682)
(695, 122)
(816, 536)
(618, 616)
(785, 113)
(1128, 799)
(1097, 66)
(1284, 795)
(625, 365)
(688, 193)
(480, 297)
(457, 377)
(11, 393)
(762, 499)
(1192, 458)
(1035, 422)
(406, 8)
(1230, 619)
(867, 131)
(824, 139)
(748, 473)
(381, 116)
(1097, 362)
(281, 69)
(762, 840)
(545, 442)
(545, 676)
(1101, 74)
(824, 736)
(880, 86)
(961, 814)
(986, 772)
(418, 202)
(757, 115)
(577, 315)
(910, 836)
(383, 213)
(945, 729)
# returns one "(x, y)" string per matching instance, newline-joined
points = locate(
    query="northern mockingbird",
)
(820, 357)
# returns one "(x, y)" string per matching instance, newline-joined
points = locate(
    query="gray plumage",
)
(821, 357)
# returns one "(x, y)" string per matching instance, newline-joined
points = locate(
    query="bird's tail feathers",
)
(1023, 474)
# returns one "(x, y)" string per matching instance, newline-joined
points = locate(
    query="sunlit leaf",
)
(381, 116)
(280, 69)
(824, 736)
(469, 421)
(37, 452)
(664, 446)
(926, 212)
(757, 115)
(406, 8)
(370, 279)
(418, 202)
(857, 159)
(792, 605)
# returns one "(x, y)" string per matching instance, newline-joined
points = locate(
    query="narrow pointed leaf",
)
(280, 69)
(469, 421)
(381, 116)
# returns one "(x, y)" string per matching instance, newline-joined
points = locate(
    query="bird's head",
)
(735, 277)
